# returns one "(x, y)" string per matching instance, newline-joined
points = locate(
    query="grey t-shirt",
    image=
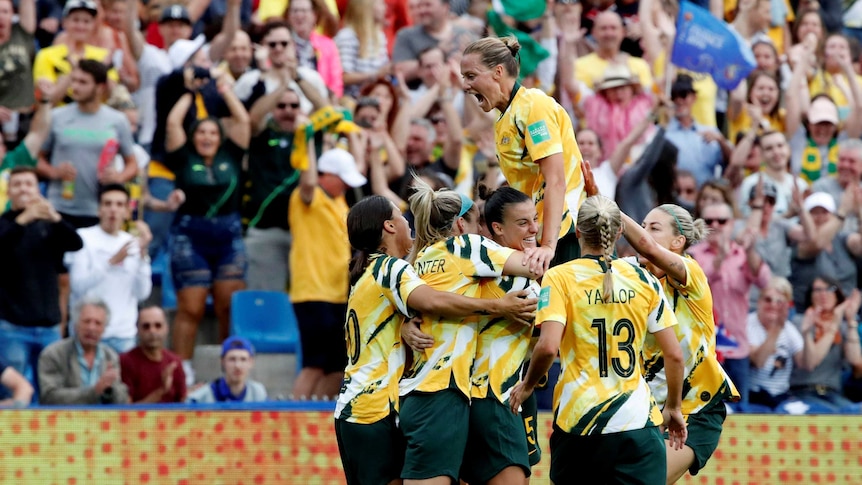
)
(828, 373)
(16, 69)
(79, 138)
(838, 263)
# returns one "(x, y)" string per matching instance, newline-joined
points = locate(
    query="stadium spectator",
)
(113, 265)
(80, 369)
(608, 33)
(732, 268)
(151, 372)
(833, 76)
(848, 175)
(17, 49)
(435, 75)
(237, 361)
(776, 155)
(314, 50)
(207, 251)
(776, 345)
(830, 331)
(33, 238)
(362, 45)
(27, 152)
(239, 56)
(318, 289)
(756, 105)
(716, 191)
(15, 385)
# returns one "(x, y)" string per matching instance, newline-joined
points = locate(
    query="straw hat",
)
(616, 75)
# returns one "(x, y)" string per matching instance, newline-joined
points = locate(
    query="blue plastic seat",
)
(267, 319)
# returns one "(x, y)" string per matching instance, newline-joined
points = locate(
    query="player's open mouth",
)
(479, 97)
(530, 242)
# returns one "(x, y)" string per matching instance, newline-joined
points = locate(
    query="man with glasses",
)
(732, 267)
(152, 373)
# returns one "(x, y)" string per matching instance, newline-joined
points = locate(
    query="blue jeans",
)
(121, 345)
(204, 250)
(159, 222)
(20, 346)
(737, 370)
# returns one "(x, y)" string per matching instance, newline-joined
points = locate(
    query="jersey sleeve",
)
(696, 283)
(552, 300)
(661, 315)
(487, 257)
(542, 135)
(398, 280)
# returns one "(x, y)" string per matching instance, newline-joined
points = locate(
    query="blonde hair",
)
(434, 214)
(599, 223)
(693, 230)
(360, 17)
(495, 51)
(781, 285)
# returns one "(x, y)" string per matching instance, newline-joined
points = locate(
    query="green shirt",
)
(270, 180)
(211, 190)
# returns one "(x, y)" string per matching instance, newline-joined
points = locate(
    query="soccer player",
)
(536, 145)
(596, 311)
(667, 232)
(385, 290)
(502, 447)
(450, 256)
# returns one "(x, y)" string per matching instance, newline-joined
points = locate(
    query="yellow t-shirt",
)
(320, 253)
(590, 69)
(742, 123)
(775, 33)
(53, 62)
(601, 388)
(502, 346)
(823, 83)
(706, 383)
(456, 265)
(377, 308)
(703, 110)
(532, 127)
(268, 9)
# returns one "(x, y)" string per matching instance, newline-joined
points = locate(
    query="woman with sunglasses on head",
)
(667, 232)
(385, 292)
(450, 256)
(536, 144)
(597, 312)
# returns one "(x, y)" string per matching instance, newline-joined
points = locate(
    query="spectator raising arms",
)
(207, 251)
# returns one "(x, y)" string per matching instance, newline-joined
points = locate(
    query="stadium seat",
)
(267, 319)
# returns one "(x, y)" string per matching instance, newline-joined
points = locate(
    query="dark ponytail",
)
(365, 231)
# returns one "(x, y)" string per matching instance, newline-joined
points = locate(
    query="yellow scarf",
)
(812, 163)
(327, 118)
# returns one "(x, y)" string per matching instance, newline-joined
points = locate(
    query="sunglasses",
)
(829, 289)
(437, 121)
(770, 300)
(285, 105)
(154, 325)
(720, 220)
(276, 43)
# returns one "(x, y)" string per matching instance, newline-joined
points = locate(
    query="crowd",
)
(233, 136)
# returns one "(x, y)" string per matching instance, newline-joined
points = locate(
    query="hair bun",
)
(512, 44)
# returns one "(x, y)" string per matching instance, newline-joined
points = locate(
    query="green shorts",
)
(362, 463)
(530, 416)
(630, 457)
(704, 431)
(568, 249)
(497, 440)
(435, 427)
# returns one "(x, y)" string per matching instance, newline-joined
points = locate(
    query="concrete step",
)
(276, 372)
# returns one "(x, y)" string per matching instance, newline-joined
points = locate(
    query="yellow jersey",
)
(590, 69)
(502, 346)
(456, 265)
(705, 382)
(376, 310)
(824, 83)
(742, 123)
(53, 62)
(602, 389)
(320, 252)
(532, 127)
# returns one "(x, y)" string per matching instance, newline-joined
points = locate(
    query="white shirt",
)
(784, 189)
(246, 83)
(774, 376)
(606, 180)
(122, 286)
(152, 65)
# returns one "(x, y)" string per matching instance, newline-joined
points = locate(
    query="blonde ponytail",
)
(599, 223)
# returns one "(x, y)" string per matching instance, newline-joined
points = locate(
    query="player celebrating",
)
(536, 144)
(450, 256)
(596, 312)
(384, 288)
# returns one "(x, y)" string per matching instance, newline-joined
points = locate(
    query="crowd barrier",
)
(289, 443)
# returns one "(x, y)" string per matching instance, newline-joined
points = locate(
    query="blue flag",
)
(706, 44)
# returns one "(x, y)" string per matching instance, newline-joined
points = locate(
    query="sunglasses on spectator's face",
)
(718, 220)
(437, 120)
(154, 325)
(770, 300)
(285, 105)
(276, 43)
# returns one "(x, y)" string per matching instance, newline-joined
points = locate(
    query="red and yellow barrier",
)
(67, 447)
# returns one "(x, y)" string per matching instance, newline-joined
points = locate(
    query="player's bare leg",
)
(678, 462)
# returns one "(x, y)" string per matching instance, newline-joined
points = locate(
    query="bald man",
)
(608, 33)
(239, 54)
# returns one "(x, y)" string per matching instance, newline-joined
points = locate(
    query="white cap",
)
(340, 162)
(819, 199)
(183, 50)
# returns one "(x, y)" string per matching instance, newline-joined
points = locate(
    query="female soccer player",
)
(450, 256)
(667, 232)
(596, 312)
(384, 290)
(536, 145)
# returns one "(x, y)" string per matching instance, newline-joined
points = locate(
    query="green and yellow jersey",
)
(532, 127)
(502, 346)
(456, 265)
(705, 383)
(376, 309)
(602, 389)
